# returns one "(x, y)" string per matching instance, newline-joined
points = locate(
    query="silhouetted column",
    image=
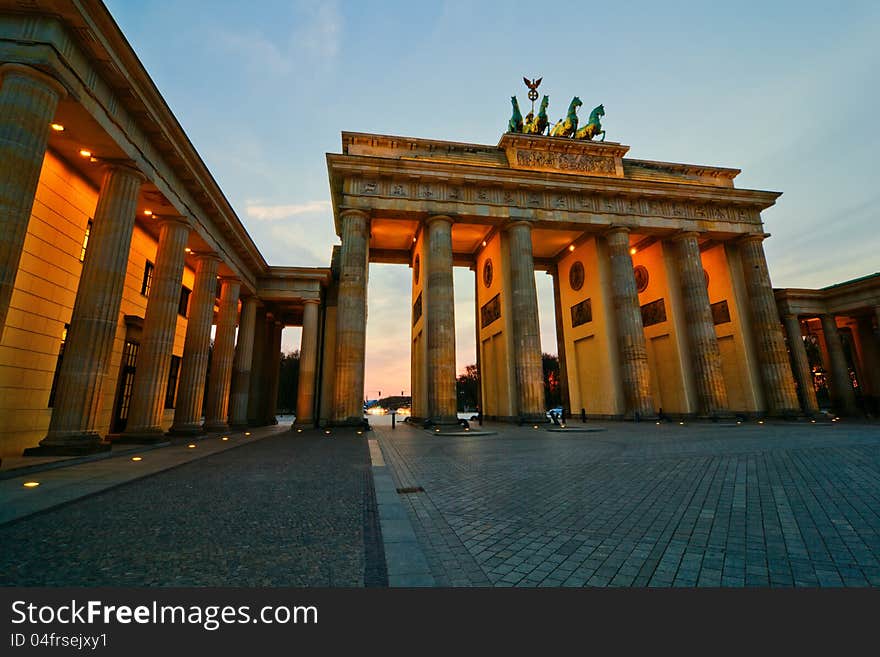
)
(630, 331)
(440, 321)
(526, 328)
(241, 366)
(705, 354)
(217, 403)
(28, 99)
(196, 348)
(779, 390)
(308, 361)
(273, 372)
(256, 393)
(801, 364)
(87, 351)
(841, 384)
(160, 324)
(351, 318)
(560, 339)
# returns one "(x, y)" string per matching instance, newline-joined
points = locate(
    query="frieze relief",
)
(555, 201)
(566, 162)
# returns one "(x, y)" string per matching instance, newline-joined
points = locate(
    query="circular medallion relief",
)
(417, 268)
(487, 273)
(641, 275)
(576, 276)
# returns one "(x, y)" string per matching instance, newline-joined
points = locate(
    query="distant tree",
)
(552, 390)
(466, 387)
(288, 383)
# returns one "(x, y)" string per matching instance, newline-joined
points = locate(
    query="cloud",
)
(285, 211)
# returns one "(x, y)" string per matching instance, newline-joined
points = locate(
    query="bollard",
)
(393, 419)
(583, 415)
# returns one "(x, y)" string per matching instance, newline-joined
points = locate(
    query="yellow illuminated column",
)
(308, 361)
(630, 331)
(705, 354)
(217, 401)
(841, 384)
(160, 324)
(196, 347)
(801, 363)
(440, 321)
(526, 328)
(241, 366)
(87, 351)
(779, 390)
(351, 319)
(560, 338)
(28, 99)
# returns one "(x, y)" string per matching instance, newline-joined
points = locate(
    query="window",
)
(171, 390)
(85, 244)
(147, 283)
(58, 366)
(184, 301)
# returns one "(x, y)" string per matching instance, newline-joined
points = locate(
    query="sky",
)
(789, 92)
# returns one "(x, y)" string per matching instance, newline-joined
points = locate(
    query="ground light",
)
(247, 433)
(360, 433)
(760, 421)
(31, 484)
(326, 432)
(137, 458)
(191, 446)
(225, 438)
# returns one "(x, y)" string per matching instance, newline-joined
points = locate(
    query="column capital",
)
(125, 167)
(23, 70)
(753, 237)
(171, 219)
(439, 217)
(683, 235)
(308, 301)
(206, 255)
(354, 212)
(517, 223)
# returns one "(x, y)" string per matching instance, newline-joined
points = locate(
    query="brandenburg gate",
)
(662, 296)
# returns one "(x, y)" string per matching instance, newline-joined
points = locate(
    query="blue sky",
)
(789, 92)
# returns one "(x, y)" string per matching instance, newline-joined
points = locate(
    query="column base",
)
(147, 436)
(71, 445)
(186, 430)
(532, 419)
(213, 427)
(349, 422)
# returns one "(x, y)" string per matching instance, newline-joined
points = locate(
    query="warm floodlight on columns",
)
(87, 352)
(351, 318)
(800, 363)
(241, 366)
(217, 401)
(308, 362)
(632, 349)
(526, 327)
(779, 390)
(196, 348)
(705, 353)
(28, 99)
(440, 321)
(160, 324)
(841, 386)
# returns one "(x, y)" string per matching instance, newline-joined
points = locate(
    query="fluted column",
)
(217, 402)
(160, 325)
(560, 339)
(351, 319)
(87, 351)
(28, 99)
(308, 362)
(241, 366)
(779, 390)
(196, 347)
(526, 328)
(256, 392)
(841, 384)
(630, 331)
(440, 321)
(705, 354)
(273, 372)
(801, 363)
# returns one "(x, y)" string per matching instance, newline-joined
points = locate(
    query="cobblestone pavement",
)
(289, 510)
(646, 505)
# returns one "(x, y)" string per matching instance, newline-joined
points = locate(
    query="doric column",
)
(560, 339)
(160, 325)
(630, 332)
(779, 390)
(351, 318)
(241, 366)
(87, 351)
(196, 348)
(801, 363)
(440, 321)
(256, 392)
(524, 319)
(705, 354)
(841, 384)
(28, 100)
(308, 363)
(272, 371)
(217, 403)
